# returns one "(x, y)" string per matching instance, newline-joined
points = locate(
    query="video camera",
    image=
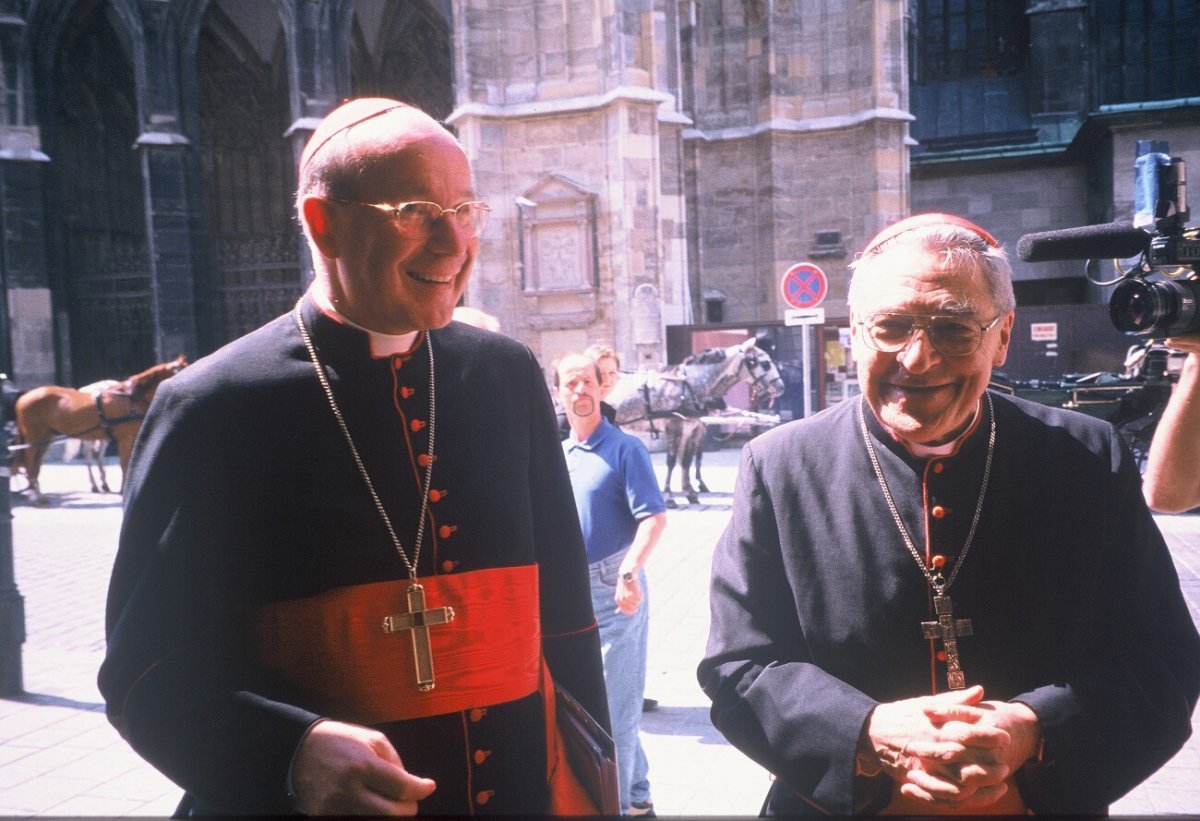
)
(1158, 237)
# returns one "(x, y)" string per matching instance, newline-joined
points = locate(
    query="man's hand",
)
(345, 769)
(1187, 342)
(629, 594)
(941, 749)
(1014, 718)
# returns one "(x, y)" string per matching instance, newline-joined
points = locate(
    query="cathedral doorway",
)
(403, 50)
(254, 272)
(97, 207)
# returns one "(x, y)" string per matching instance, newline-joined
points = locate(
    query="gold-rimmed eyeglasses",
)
(416, 219)
(950, 335)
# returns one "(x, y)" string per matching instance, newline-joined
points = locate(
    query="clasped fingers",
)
(974, 786)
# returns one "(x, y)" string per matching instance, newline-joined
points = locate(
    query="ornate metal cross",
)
(419, 620)
(948, 629)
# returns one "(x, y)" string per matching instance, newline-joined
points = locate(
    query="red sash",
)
(333, 651)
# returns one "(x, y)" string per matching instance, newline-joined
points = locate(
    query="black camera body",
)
(1139, 307)
(1165, 307)
(1157, 297)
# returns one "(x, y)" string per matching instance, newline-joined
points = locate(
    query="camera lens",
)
(1156, 309)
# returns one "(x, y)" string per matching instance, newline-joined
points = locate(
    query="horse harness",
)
(652, 414)
(107, 422)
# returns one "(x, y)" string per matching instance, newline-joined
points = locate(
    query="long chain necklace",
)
(417, 618)
(947, 628)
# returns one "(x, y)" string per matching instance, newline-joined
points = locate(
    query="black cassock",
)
(1075, 605)
(243, 493)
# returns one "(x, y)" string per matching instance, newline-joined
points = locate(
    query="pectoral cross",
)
(419, 620)
(948, 629)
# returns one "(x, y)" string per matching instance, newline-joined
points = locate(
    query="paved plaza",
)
(60, 757)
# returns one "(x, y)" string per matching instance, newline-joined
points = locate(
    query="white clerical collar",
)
(382, 345)
(930, 451)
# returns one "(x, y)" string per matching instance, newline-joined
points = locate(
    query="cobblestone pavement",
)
(60, 757)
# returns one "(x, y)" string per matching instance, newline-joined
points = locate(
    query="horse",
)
(51, 412)
(93, 451)
(673, 400)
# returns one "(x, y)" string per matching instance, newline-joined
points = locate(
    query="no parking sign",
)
(804, 285)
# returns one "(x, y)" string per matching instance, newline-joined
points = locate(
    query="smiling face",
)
(374, 274)
(917, 393)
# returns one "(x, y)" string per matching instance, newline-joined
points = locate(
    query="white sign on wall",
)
(1043, 331)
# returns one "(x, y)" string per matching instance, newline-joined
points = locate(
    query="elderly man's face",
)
(916, 392)
(389, 281)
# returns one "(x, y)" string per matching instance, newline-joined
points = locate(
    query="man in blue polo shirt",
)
(622, 514)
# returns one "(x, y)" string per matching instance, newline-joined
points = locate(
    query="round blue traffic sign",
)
(804, 285)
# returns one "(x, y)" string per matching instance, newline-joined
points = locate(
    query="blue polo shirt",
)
(615, 488)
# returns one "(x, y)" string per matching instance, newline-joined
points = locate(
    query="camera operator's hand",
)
(1187, 342)
(1170, 481)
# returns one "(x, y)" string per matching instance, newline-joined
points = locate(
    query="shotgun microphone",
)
(1117, 240)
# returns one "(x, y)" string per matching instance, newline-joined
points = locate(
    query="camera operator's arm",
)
(1171, 482)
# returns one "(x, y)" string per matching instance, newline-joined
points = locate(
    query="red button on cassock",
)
(937, 512)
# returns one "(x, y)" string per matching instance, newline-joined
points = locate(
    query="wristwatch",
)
(626, 577)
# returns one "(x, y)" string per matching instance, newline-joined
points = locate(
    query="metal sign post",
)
(807, 317)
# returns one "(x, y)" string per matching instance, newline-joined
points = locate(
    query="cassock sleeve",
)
(570, 636)
(1124, 706)
(769, 698)
(172, 680)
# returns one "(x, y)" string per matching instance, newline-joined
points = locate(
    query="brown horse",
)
(51, 412)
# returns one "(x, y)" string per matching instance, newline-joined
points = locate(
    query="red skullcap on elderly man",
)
(926, 221)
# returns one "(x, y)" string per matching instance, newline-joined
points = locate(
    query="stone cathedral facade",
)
(650, 163)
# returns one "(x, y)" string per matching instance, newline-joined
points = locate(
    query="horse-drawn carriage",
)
(1133, 400)
(106, 412)
(677, 402)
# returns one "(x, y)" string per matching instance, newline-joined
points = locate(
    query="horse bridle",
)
(750, 366)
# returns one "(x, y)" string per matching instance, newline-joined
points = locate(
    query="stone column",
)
(21, 263)
(576, 98)
(318, 75)
(167, 183)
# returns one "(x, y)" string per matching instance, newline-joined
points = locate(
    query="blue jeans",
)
(623, 644)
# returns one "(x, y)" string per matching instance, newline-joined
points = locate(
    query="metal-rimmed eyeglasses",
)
(950, 335)
(416, 219)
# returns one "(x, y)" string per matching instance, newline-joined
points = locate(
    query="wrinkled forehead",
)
(911, 279)
(572, 367)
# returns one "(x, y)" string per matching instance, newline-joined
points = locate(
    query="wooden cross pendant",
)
(948, 629)
(419, 620)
